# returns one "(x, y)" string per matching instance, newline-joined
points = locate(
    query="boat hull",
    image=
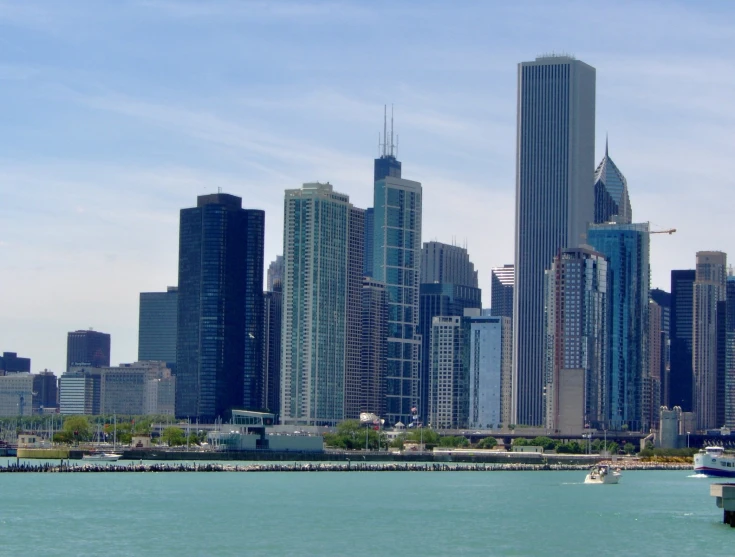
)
(717, 466)
(102, 458)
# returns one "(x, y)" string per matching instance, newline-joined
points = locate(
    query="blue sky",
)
(115, 115)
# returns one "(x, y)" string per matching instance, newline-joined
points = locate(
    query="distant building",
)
(502, 280)
(11, 363)
(87, 348)
(320, 347)
(682, 331)
(447, 264)
(373, 348)
(220, 313)
(272, 330)
(17, 395)
(577, 304)
(663, 300)
(626, 247)
(709, 289)
(611, 194)
(275, 273)
(46, 389)
(729, 379)
(367, 269)
(655, 353)
(554, 203)
(140, 388)
(157, 322)
(449, 378)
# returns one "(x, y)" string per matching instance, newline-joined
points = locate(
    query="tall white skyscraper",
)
(322, 280)
(554, 202)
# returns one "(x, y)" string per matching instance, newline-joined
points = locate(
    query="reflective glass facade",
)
(611, 193)
(220, 312)
(626, 247)
(682, 327)
(157, 326)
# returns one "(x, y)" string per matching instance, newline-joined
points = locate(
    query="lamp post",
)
(687, 439)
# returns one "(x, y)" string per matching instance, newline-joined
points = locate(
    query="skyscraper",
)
(396, 263)
(611, 193)
(88, 348)
(682, 331)
(709, 289)
(577, 303)
(220, 315)
(367, 269)
(275, 273)
(272, 330)
(373, 348)
(502, 280)
(323, 262)
(447, 264)
(11, 363)
(554, 202)
(663, 300)
(449, 378)
(729, 380)
(626, 247)
(157, 323)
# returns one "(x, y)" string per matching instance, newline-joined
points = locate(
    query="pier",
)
(725, 494)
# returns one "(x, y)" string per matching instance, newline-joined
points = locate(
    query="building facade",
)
(708, 290)
(157, 324)
(485, 371)
(272, 330)
(663, 300)
(502, 280)
(275, 273)
(449, 398)
(397, 264)
(611, 194)
(447, 264)
(577, 305)
(373, 348)
(218, 349)
(87, 348)
(18, 394)
(682, 335)
(729, 379)
(323, 262)
(11, 363)
(626, 247)
(554, 203)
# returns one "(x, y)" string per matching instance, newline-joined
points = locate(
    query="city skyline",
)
(106, 153)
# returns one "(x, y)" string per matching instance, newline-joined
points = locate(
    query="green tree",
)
(351, 435)
(173, 436)
(546, 442)
(520, 442)
(629, 448)
(77, 428)
(487, 443)
(453, 441)
(428, 437)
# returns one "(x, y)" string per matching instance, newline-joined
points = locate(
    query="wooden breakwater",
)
(118, 467)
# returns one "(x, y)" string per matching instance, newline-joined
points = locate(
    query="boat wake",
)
(698, 476)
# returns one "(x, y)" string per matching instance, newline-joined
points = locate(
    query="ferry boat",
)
(102, 457)
(712, 461)
(602, 474)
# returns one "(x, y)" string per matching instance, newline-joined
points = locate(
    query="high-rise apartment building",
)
(449, 378)
(709, 289)
(220, 314)
(612, 202)
(729, 379)
(157, 324)
(323, 263)
(577, 305)
(87, 348)
(655, 366)
(397, 263)
(626, 247)
(502, 280)
(662, 299)
(681, 379)
(554, 202)
(373, 348)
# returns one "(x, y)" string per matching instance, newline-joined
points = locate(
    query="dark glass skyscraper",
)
(220, 312)
(554, 203)
(272, 309)
(11, 363)
(502, 281)
(157, 326)
(682, 330)
(87, 348)
(611, 193)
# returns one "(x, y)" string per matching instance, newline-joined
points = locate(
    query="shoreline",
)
(321, 467)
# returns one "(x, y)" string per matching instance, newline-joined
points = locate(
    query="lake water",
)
(360, 513)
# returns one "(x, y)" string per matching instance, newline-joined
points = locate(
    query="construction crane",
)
(667, 231)
(21, 399)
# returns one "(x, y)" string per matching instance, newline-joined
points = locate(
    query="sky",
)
(116, 115)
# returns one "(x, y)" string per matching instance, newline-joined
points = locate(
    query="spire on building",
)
(611, 192)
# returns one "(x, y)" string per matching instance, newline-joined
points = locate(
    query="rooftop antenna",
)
(391, 130)
(385, 128)
(606, 145)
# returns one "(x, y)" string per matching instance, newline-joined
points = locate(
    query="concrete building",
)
(709, 289)
(577, 305)
(323, 262)
(681, 379)
(554, 203)
(17, 396)
(447, 264)
(11, 363)
(502, 280)
(449, 379)
(397, 264)
(626, 247)
(157, 322)
(220, 313)
(256, 431)
(612, 202)
(87, 348)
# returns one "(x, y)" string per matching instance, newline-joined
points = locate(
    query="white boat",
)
(602, 474)
(102, 457)
(713, 461)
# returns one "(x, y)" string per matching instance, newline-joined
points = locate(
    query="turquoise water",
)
(360, 513)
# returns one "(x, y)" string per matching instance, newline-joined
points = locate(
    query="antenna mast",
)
(385, 128)
(391, 130)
